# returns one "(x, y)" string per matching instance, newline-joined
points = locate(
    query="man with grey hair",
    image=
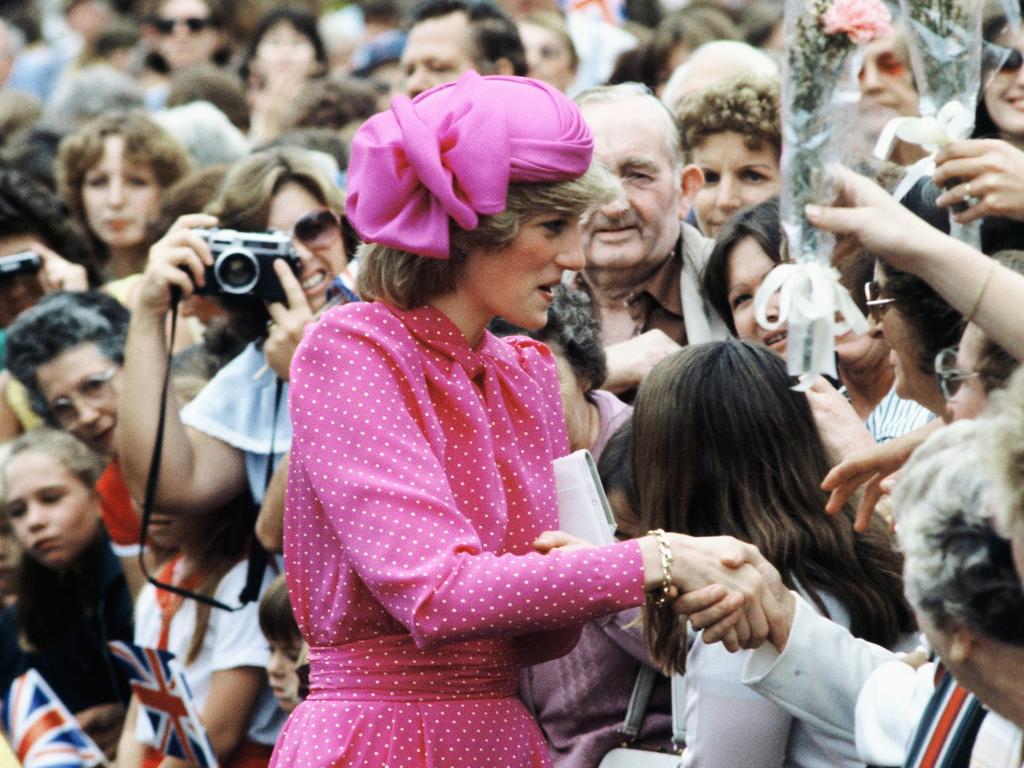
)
(959, 573)
(643, 264)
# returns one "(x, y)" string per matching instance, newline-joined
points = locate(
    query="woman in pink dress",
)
(420, 479)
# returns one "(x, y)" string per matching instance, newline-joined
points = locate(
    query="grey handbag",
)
(627, 757)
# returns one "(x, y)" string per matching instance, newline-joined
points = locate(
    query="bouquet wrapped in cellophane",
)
(945, 41)
(819, 98)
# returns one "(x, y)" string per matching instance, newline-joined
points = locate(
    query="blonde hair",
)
(407, 280)
(86, 465)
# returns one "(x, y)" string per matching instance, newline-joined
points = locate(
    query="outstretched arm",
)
(978, 287)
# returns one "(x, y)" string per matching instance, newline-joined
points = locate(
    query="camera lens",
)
(236, 271)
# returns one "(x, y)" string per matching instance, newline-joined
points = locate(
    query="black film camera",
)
(20, 263)
(243, 263)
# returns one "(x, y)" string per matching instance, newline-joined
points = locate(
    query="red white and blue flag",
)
(165, 703)
(42, 732)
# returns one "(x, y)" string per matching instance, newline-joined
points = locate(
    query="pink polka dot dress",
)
(420, 473)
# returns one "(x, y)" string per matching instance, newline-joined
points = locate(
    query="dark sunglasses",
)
(194, 24)
(319, 229)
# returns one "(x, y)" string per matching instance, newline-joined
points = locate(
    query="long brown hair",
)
(723, 445)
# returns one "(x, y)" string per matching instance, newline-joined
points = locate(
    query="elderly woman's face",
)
(735, 177)
(53, 514)
(121, 197)
(970, 397)
(911, 382)
(886, 83)
(547, 56)
(81, 386)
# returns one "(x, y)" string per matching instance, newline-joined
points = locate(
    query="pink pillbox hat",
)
(452, 152)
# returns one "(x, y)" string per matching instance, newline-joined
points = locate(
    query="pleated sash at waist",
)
(392, 668)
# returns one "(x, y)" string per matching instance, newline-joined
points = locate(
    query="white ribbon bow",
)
(811, 298)
(953, 122)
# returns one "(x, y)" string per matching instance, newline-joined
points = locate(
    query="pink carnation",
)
(861, 20)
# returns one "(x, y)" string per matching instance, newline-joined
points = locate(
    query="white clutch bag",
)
(583, 509)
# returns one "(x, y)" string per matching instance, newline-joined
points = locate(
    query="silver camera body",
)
(243, 263)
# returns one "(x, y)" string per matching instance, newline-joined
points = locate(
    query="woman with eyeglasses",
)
(969, 372)
(68, 351)
(218, 445)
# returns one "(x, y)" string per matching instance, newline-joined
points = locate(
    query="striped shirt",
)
(894, 416)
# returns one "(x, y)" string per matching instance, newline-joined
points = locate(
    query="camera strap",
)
(258, 555)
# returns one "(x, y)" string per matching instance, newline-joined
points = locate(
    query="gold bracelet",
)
(969, 317)
(665, 550)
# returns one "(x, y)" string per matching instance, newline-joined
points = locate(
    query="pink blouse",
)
(420, 474)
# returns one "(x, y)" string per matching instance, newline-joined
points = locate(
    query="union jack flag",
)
(43, 733)
(165, 700)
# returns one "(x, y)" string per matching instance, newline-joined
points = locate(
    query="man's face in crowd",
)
(641, 225)
(437, 51)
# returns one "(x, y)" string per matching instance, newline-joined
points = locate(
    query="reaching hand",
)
(59, 274)
(551, 541)
(987, 175)
(840, 427)
(873, 218)
(870, 468)
(177, 260)
(289, 320)
(630, 361)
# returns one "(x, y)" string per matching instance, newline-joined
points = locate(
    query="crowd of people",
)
(299, 303)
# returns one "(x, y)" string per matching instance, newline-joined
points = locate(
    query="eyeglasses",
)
(93, 391)
(318, 229)
(195, 24)
(950, 377)
(877, 306)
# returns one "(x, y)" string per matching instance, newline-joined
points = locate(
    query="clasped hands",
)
(725, 586)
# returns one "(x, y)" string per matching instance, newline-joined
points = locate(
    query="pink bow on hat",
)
(452, 152)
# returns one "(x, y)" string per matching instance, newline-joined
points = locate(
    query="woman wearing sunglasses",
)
(218, 445)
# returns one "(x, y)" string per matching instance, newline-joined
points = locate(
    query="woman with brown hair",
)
(111, 173)
(219, 443)
(723, 446)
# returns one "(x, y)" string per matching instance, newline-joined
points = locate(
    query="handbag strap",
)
(639, 699)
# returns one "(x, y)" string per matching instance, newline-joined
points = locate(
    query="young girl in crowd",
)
(71, 598)
(277, 621)
(711, 459)
(223, 652)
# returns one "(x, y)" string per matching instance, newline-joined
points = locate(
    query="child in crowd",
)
(222, 652)
(286, 645)
(71, 597)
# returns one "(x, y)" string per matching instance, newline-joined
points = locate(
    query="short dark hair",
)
(761, 223)
(301, 20)
(59, 322)
(206, 82)
(495, 34)
(572, 330)
(28, 208)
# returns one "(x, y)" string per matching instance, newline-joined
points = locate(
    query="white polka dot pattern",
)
(420, 473)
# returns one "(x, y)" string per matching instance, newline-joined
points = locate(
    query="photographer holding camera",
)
(219, 444)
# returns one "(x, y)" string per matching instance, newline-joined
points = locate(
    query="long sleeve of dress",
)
(421, 472)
